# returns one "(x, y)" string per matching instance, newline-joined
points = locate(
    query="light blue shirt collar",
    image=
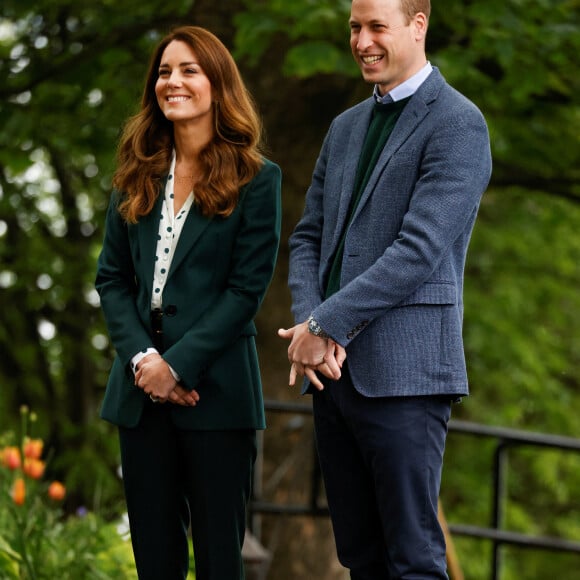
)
(406, 89)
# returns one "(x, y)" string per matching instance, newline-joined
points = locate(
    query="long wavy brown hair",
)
(230, 160)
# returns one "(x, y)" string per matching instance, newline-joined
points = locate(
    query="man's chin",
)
(372, 78)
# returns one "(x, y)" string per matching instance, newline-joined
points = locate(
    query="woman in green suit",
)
(190, 245)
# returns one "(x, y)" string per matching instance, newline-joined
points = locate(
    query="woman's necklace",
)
(184, 178)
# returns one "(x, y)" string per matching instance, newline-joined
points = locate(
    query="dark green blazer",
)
(220, 272)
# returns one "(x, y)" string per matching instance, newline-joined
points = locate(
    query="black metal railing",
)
(506, 439)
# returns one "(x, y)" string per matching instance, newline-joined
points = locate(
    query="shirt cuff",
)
(175, 375)
(140, 356)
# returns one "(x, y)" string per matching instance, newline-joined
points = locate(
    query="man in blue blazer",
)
(376, 275)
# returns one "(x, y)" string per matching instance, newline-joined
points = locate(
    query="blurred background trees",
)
(70, 74)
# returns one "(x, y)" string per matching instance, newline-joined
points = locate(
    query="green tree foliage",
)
(69, 78)
(308, 52)
(70, 73)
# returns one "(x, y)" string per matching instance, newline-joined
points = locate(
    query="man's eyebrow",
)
(371, 22)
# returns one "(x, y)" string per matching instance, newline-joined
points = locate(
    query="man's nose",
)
(364, 40)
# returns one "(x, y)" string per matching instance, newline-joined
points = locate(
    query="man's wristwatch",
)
(315, 328)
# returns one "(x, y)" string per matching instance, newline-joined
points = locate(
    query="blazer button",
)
(170, 310)
(350, 335)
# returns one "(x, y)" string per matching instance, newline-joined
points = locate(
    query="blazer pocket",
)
(432, 293)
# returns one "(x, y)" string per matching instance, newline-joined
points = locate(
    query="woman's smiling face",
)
(183, 91)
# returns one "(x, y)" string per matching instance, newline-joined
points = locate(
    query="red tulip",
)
(33, 448)
(11, 457)
(19, 491)
(34, 468)
(56, 491)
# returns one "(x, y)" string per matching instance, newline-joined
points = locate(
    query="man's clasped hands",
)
(308, 354)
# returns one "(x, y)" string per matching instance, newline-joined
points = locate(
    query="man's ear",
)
(420, 24)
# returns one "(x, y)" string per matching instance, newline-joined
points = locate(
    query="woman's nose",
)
(173, 80)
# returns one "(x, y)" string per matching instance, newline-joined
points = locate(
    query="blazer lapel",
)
(194, 226)
(148, 232)
(351, 160)
(413, 114)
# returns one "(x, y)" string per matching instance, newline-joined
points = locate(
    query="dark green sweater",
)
(381, 126)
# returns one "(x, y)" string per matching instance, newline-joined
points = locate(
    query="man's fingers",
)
(331, 364)
(311, 375)
(293, 375)
(331, 373)
(339, 354)
(285, 333)
(296, 369)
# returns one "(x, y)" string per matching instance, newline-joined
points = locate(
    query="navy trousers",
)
(381, 461)
(174, 479)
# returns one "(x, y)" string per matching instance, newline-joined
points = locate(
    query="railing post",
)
(499, 493)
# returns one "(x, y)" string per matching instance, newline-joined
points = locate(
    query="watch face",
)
(313, 327)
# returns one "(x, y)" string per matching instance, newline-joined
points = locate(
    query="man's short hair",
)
(412, 7)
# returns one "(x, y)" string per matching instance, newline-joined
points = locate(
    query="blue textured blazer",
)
(399, 310)
(219, 275)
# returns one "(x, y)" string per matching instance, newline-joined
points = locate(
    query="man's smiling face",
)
(388, 48)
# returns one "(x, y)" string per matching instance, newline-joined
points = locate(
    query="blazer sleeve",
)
(306, 243)
(454, 170)
(117, 287)
(250, 272)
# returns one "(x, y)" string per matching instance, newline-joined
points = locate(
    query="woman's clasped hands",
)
(154, 376)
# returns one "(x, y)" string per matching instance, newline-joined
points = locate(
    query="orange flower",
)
(33, 468)
(19, 491)
(11, 457)
(33, 448)
(56, 491)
